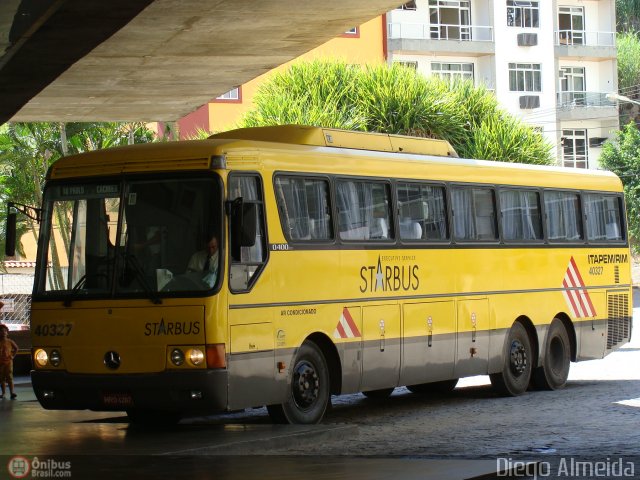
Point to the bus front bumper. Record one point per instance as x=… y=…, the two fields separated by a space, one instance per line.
x=174 y=391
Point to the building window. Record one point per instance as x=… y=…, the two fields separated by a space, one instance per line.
x=525 y=77
x=450 y=19
x=352 y=33
x=523 y=14
x=575 y=152
x=233 y=95
x=408 y=6
x=572 y=86
x=571 y=25
x=411 y=65
x=452 y=71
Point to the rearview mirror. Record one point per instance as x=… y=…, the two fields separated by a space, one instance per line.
x=243 y=221
x=10 y=237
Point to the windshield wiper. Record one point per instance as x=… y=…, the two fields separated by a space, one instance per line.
x=82 y=281
x=132 y=261
x=76 y=288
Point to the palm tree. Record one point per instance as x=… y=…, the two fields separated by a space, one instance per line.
x=28 y=149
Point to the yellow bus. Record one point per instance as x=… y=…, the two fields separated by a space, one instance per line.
x=279 y=266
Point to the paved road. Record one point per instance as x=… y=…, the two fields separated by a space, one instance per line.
x=597 y=416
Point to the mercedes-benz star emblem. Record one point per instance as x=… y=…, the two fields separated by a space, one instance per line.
x=112 y=360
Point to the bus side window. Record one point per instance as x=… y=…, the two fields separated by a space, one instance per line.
x=304 y=208
x=243 y=271
x=474 y=214
x=563 y=216
x=521 y=216
x=603 y=217
x=364 y=211
x=422 y=212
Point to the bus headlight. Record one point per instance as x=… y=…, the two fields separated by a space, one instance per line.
x=177 y=357
x=196 y=356
x=55 y=358
x=41 y=358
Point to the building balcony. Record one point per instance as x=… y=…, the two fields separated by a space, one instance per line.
x=440 y=38
x=584 y=105
x=587 y=44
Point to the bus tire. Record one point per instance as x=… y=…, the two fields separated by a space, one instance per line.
x=309 y=389
x=445 y=386
x=553 y=373
x=516 y=372
x=378 y=394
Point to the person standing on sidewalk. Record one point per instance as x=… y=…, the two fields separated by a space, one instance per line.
x=8 y=350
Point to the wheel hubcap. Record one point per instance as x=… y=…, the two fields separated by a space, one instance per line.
x=518 y=358
x=306 y=384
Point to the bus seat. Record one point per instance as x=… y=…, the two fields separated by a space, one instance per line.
x=379 y=229
x=410 y=230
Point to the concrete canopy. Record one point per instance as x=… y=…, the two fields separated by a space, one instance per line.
x=146 y=60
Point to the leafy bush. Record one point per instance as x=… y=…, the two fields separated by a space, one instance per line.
x=397 y=100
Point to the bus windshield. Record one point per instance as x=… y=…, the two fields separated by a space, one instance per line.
x=133 y=238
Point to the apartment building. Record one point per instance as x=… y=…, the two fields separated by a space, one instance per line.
x=549 y=62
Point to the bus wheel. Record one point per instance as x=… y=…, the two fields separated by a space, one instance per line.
x=516 y=372
x=309 y=392
x=554 y=371
x=152 y=417
x=444 y=386
x=378 y=394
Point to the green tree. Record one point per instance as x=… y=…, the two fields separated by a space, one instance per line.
x=395 y=99
x=628 y=15
x=621 y=155
x=629 y=74
x=28 y=149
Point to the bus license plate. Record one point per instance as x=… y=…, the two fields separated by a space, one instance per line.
x=117 y=399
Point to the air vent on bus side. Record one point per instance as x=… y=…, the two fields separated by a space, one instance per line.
x=619 y=322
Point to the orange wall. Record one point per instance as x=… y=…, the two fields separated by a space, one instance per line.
x=365 y=48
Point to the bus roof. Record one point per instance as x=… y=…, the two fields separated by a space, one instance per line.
x=329 y=137
x=313 y=149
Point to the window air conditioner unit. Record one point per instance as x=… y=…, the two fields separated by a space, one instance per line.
x=597 y=141
x=527 y=39
x=529 y=101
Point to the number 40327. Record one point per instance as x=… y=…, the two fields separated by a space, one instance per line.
x=53 y=330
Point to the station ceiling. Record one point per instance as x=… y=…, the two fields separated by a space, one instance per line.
x=152 y=60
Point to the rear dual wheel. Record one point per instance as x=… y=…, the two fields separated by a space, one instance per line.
x=554 y=371
x=309 y=390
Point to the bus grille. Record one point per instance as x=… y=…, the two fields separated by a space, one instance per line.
x=616 y=274
x=619 y=322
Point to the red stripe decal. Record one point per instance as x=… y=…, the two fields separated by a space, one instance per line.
x=583 y=307
x=341 y=331
x=350 y=322
x=571 y=300
x=592 y=310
